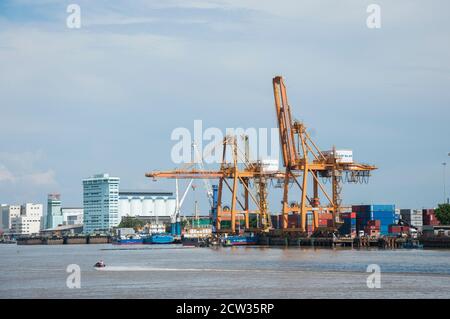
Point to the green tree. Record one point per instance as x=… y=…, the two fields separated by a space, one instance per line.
x=443 y=213
x=130 y=222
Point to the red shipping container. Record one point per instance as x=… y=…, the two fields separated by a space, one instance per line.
x=429 y=217
x=375 y=223
x=394 y=229
x=325 y=216
x=371 y=231
x=323 y=222
x=348 y=215
x=293 y=221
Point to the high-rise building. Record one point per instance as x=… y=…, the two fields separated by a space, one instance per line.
x=29 y=221
x=100 y=203
x=8 y=213
x=54 y=215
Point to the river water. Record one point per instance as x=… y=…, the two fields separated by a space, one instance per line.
x=172 y=271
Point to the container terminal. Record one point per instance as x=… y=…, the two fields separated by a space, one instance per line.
x=317 y=216
x=314 y=218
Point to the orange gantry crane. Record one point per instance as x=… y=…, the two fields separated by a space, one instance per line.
x=252 y=179
x=302 y=162
x=303 y=159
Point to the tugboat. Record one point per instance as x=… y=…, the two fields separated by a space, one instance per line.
x=194 y=241
x=240 y=240
x=159 y=239
x=128 y=240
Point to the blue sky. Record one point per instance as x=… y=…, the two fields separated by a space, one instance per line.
x=106 y=97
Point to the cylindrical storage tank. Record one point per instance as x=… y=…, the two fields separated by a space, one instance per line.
x=124 y=207
x=136 y=206
x=148 y=206
x=170 y=206
x=160 y=207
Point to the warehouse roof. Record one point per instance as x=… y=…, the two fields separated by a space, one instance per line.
x=154 y=192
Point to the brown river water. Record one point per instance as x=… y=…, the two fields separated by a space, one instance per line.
x=173 y=271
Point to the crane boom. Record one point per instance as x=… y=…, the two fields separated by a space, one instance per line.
x=285 y=124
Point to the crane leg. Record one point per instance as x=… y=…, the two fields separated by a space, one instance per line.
x=219 y=204
x=284 y=216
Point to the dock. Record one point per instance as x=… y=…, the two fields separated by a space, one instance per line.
x=383 y=242
x=66 y=240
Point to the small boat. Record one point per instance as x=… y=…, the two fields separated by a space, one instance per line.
x=239 y=240
x=8 y=242
x=99 y=264
x=128 y=240
x=159 y=239
x=412 y=245
x=194 y=242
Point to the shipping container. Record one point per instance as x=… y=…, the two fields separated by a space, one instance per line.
x=276 y=221
x=342 y=156
x=348 y=215
x=429 y=217
x=323 y=222
x=201 y=222
x=385 y=214
x=376 y=223
x=325 y=216
x=398 y=229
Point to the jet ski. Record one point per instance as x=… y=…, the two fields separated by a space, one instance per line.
x=99 y=264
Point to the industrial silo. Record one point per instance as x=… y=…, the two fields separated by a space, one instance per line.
x=136 y=206
x=124 y=207
x=148 y=206
x=160 y=207
x=170 y=206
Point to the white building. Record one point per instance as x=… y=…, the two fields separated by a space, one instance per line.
x=29 y=221
x=72 y=215
x=100 y=203
x=146 y=203
x=8 y=213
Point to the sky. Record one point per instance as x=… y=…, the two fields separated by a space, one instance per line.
x=107 y=96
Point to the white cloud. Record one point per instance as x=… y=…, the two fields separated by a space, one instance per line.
x=22 y=169
x=46 y=178
x=140 y=66
x=6 y=175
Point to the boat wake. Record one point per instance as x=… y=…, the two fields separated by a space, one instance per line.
x=137 y=268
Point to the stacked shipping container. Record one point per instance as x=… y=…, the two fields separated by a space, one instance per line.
x=373 y=228
x=349 y=226
x=429 y=217
x=397 y=216
x=309 y=223
x=397 y=229
x=325 y=220
x=365 y=213
x=276 y=221
x=294 y=221
x=412 y=216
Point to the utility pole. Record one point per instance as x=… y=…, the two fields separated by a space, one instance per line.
x=194 y=187
x=448 y=202
x=444 y=164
